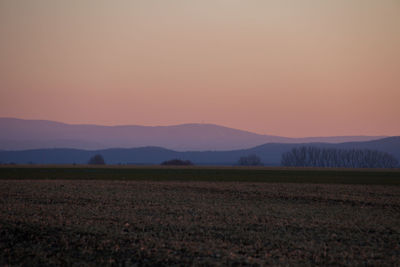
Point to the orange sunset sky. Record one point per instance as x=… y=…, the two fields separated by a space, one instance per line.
x=292 y=68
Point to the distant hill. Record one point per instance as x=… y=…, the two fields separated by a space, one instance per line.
x=18 y=134
x=270 y=154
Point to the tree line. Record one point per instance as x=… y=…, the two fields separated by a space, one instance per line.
x=308 y=156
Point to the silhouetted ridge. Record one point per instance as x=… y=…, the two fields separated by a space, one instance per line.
x=269 y=154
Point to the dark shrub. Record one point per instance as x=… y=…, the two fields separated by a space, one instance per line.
x=251 y=160
x=177 y=162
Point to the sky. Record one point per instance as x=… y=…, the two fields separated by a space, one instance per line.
x=291 y=68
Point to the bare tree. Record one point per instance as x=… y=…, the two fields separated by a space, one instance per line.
x=341 y=158
x=96 y=160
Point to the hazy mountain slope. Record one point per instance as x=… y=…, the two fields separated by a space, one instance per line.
x=270 y=154
x=17 y=134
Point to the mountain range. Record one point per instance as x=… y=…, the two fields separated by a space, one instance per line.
x=19 y=134
x=270 y=153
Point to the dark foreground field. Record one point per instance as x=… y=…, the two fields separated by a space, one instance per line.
x=204 y=174
x=80 y=222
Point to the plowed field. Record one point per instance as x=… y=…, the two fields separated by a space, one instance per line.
x=92 y=222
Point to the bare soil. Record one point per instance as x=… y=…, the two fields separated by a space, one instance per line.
x=100 y=222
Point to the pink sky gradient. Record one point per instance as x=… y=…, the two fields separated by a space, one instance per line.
x=291 y=68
